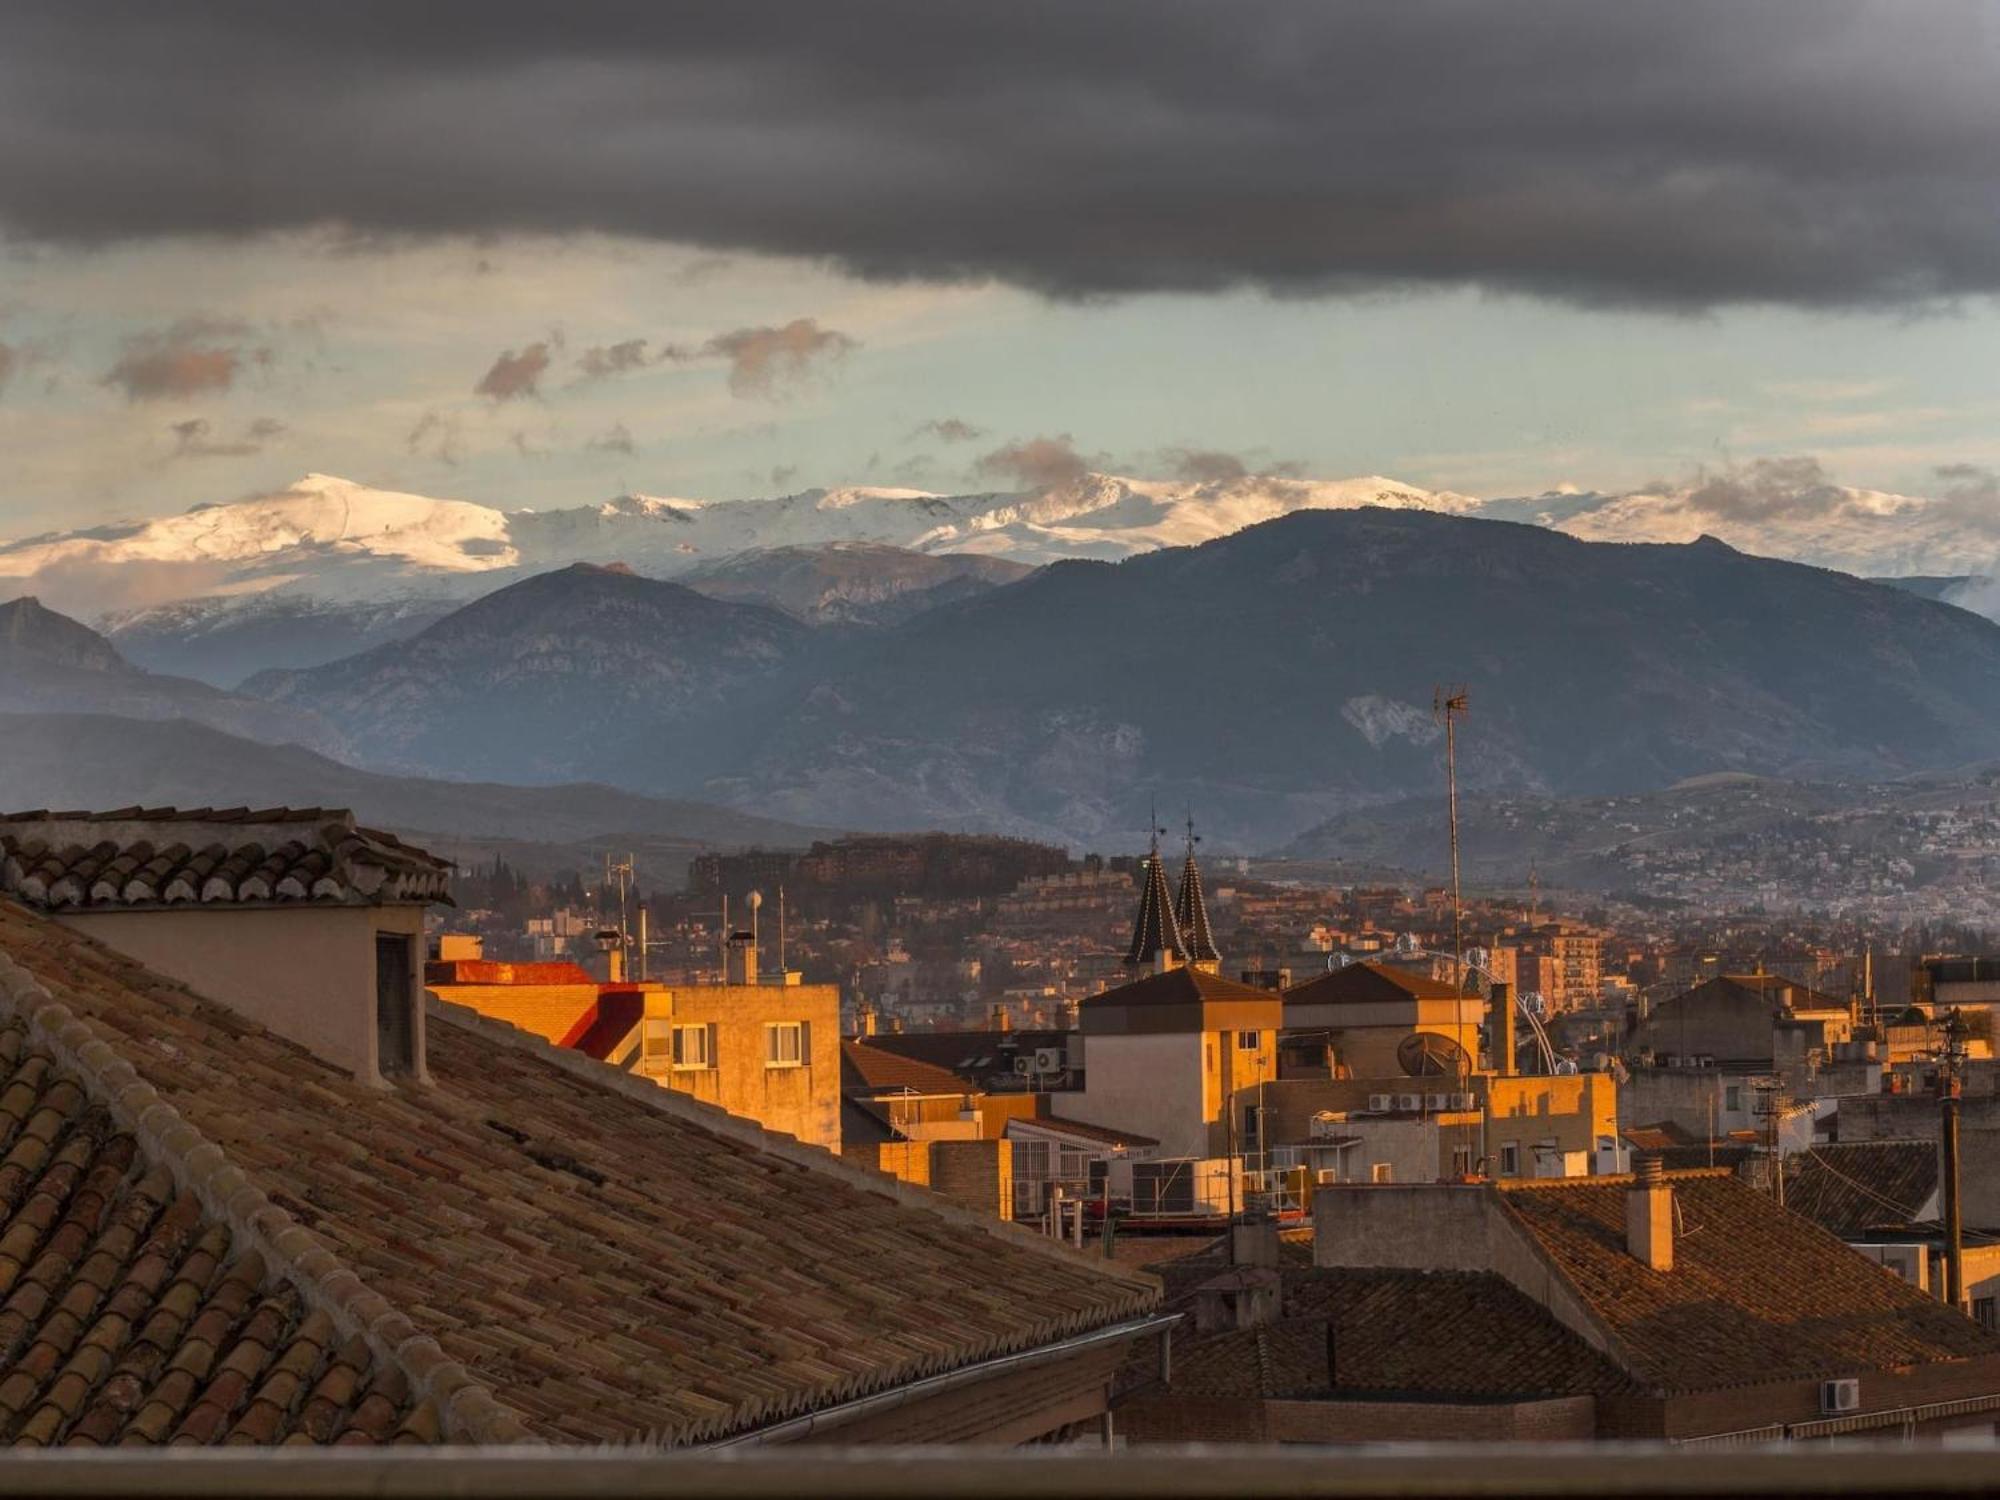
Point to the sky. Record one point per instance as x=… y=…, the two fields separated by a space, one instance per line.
x=542 y=256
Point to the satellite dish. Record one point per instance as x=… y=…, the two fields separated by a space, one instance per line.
x=1425 y=1054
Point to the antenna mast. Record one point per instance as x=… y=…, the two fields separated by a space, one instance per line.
x=1448 y=706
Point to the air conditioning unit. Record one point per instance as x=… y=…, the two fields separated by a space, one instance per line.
x=1410 y=1101
x=1838 y=1396
x=1048 y=1059
x=1440 y=1101
x=1465 y=1101
x=1024 y=1066
x=1381 y=1103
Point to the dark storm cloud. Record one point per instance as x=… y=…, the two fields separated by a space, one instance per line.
x=194 y=357
x=1672 y=153
x=513 y=376
x=617 y=438
x=1206 y=465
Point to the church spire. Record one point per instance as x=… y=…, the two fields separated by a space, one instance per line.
x=1156 y=934
x=1191 y=911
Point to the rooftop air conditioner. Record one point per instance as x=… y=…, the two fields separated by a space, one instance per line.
x=1837 y=1396
x=1410 y=1101
x=1024 y=1066
x=1440 y=1101
x=1465 y=1101
x=1048 y=1059
x=1381 y=1103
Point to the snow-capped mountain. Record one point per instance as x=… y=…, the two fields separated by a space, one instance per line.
x=327 y=566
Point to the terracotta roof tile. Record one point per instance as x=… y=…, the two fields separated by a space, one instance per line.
x=147 y=857
x=1755 y=1294
x=596 y=1259
x=1851 y=1188
x=120 y=1294
x=1368 y=982
x=867 y=1069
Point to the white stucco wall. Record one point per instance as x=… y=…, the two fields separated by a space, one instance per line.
x=1151 y=1084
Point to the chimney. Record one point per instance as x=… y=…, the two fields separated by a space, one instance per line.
x=742 y=967
x=1503 y=1002
x=1649 y=1216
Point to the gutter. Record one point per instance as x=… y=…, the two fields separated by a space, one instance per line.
x=793 y=1429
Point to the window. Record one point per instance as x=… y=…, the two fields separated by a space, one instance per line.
x=1732 y=1098
x=1510 y=1160
x=694 y=1047
x=656 y=1044
x=1461 y=1161
x=395 y=1016
x=1382 y=1171
x=1983 y=1313
x=1253 y=1127
x=1249 y=1041
x=786 y=1044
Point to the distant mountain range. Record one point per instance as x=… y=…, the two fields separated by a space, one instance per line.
x=852 y=583
x=1271 y=679
x=326 y=567
x=100 y=761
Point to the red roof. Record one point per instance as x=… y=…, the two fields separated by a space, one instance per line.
x=492 y=971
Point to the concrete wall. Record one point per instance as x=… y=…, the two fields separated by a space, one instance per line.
x=979 y=1174
x=1692 y=1098
x=550 y=1011
x=1149 y=1084
x=801 y=1101
x=306 y=972
x=1571 y=1110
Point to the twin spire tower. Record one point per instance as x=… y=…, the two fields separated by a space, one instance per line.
x=1171 y=934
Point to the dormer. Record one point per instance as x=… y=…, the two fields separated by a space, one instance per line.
x=297 y=918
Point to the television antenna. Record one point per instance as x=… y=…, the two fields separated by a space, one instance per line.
x=1448 y=706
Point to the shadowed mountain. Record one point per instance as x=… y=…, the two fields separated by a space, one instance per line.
x=50 y=663
x=1278 y=676
x=587 y=673
x=852 y=583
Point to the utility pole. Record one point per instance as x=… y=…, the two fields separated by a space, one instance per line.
x=1950 y=1061
x=1448 y=706
x=1770 y=1104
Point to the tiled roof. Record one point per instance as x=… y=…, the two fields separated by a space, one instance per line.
x=1438 y=1335
x=1848 y=1189
x=867 y=1069
x=1368 y=982
x=1755 y=1294
x=547 y=1248
x=129 y=1314
x=973 y=1055
x=165 y=857
x=497 y=971
x=1181 y=986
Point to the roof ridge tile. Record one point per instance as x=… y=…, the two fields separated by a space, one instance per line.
x=203 y=1169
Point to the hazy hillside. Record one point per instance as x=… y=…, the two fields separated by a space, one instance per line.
x=583 y=674
x=76 y=760
x=50 y=663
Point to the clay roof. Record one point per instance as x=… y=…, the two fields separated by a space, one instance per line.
x=1155 y=929
x=1755 y=1294
x=1181 y=986
x=134 y=1315
x=544 y=1247
x=972 y=1055
x=1849 y=1189
x=165 y=856
x=871 y=1070
x=500 y=971
x=1366 y=982
x=1433 y=1335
